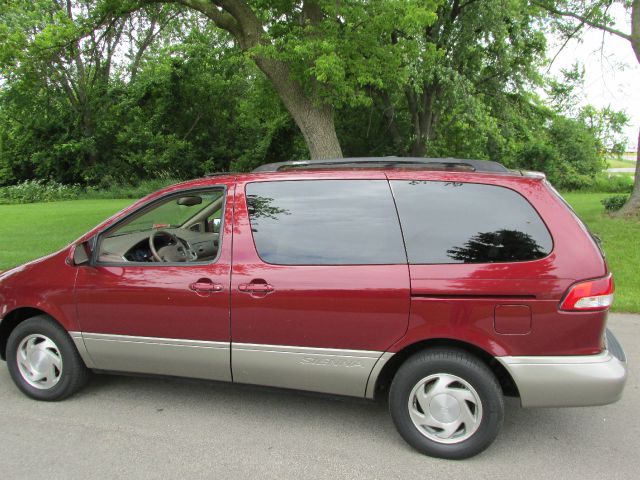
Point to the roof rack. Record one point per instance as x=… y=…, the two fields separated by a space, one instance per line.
x=387 y=162
x=218 y=174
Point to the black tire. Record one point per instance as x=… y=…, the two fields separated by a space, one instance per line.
x=73 y=374
x=468 y=368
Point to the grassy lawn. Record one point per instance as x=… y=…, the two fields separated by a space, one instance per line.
x=33 y=230
x=616 y=163
x=621 y=242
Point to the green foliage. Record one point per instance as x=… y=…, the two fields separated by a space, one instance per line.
x=192 y=107
x=605 y=124
x=614 y=203
x=571 y=18
x=340 y=51
x=610 y=183
x=118 y=190
x=33 y=191
x=37 y=191
x=566 y=151
x=161 y=93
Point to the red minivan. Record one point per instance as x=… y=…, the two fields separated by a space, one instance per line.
x=445 y=284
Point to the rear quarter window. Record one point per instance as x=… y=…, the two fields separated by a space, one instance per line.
x=325 y=222
x=454 y=222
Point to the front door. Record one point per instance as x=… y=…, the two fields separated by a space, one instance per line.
x=320 y=283
x=156 y=297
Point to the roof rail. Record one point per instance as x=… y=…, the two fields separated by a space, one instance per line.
x=387 y=162
x=218 y=174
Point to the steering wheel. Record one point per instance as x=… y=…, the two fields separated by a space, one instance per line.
x=176 y=249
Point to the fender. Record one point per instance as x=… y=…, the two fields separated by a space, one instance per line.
x=43 y=285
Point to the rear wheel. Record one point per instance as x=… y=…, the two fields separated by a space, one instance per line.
x=43 y=361
x=446 y=403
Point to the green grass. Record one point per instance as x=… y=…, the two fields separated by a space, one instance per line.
x=616 y=163
x=32 y=230
x=621 y=242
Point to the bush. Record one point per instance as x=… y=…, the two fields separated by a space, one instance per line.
x=139 y=190
x=614 y=203
x=33 y=191
x=608 y=184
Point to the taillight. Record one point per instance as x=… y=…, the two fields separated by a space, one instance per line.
x=590 y=295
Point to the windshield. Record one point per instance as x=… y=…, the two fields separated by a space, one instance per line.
x=172 y=213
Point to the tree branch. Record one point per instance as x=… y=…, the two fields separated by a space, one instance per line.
x=213 y=10
x=220 y=18
x=584 y=19
x=566 y=42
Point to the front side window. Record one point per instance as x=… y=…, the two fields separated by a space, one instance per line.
x=181 y=228
x=325 y=222
x=453 y=222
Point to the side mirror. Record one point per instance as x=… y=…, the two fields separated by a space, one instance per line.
x=81 y=254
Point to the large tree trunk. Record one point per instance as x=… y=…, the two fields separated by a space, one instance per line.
x=423 y=118
x=314 y=118
x=632 y=207
x=389 y=113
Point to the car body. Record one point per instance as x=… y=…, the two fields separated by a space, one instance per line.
x=337 y=278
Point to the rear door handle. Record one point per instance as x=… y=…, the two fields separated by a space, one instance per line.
x=256 y=287
x=206 y=286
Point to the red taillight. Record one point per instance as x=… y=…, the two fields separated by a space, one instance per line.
x=591 y=295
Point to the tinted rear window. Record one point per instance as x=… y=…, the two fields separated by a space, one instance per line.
x=452 y=222
x=325 y=222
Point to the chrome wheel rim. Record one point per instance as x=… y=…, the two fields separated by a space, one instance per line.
x=445 y=408
x=39 y=361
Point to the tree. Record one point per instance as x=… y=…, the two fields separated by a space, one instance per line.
x=64 y=70
x=163 y=92
x=605 y=124
x=574 y=15
x=195 y=105
x=484 y=50
x=317 y=54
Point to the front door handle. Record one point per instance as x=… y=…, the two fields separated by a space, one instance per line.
x=206 y=286
x=256 y=286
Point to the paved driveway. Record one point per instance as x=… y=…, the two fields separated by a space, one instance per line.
x=126 y=427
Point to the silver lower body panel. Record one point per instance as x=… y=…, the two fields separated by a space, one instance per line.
x=335 y=371
x=559 y=381
x=160 y=356
x=326 y=370
x=571 y=381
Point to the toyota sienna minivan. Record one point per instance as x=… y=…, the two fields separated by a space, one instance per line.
x=441 y=284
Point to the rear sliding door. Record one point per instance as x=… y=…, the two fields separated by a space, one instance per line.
x=320 y=283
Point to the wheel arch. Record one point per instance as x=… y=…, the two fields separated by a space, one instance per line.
x=14 y=318
x=388 y=371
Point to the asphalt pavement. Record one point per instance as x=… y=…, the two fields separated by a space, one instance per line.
x=132 y=427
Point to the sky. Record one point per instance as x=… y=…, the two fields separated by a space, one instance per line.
x=612 y=76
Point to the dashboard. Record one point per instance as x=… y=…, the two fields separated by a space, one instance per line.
x=134 y=246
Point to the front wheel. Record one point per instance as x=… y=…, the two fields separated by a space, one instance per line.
x=43 y=361
x=446 y=403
